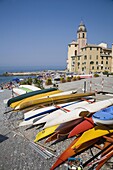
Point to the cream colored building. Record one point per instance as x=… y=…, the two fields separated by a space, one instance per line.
x=84 y=58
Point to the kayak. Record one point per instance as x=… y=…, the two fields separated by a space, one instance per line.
x=30 y=122
x=47 y=95
x=96 y=132
x=17 y=104
x=81 y=112
x=64 y=129
x=104 y=116
x=30 y=87
x=52 y=100
x=18 y=98
x=85 y=125
x=37 y=112
x=69 y=152
x=44 y=133
x=104 y=159
x=56 y=114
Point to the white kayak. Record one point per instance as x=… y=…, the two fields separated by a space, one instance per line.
x=22 y=89
x=31 y=87
x=37 y=112
x=56 y=114
x=30 y=122
x=82 y=111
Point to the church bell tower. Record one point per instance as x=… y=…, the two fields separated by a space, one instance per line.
x=81 y=36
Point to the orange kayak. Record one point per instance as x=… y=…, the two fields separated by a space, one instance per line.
x=71 y=152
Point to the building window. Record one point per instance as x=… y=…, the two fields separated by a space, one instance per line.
x=85 y=57
x=96 y=62
x=106 y=58
x=97 y=57
x=101 y=62
x=78 y=58
x=102 y=58
x=83 y=35
x=91 y=62
x=101 y=67
x=92 y=67
x=97 y=48
x=106 y=62
x=78 y=64
x=90 y=48
x=97 y=67
x=75 y=52
x=90 y=57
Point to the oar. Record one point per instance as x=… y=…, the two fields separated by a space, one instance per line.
x=54 y=150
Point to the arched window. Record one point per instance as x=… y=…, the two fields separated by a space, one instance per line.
x=83 y=35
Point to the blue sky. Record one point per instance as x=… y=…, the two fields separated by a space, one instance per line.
x=37 y=32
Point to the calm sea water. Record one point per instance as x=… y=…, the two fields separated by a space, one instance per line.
x=4 y=79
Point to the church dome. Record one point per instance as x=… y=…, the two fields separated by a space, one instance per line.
x=82 y=27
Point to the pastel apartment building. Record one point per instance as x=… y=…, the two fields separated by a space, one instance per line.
x=84 y=58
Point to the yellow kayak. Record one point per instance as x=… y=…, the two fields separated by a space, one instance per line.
x=52 y=100
x=96 y=132
x=46 y=132
x=15 y=104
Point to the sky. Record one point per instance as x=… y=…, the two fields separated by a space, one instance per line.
x=36 y=33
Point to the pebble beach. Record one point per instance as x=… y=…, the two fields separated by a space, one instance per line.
x=16 y=153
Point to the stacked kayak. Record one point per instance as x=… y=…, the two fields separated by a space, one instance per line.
x=50 y=100
x=104 y=116
x=22 y=89
x=24 y=96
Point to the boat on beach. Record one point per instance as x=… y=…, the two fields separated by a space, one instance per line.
x=104 y=116
x=23 y=96
x=80 y=112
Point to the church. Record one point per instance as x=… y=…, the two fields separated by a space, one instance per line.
x=84 y=58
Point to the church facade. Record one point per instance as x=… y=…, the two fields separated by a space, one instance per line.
x=84 y=58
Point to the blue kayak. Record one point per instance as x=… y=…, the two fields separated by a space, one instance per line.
x=104 y=116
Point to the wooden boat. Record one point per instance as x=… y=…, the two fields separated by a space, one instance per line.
x=81 y=112
x=18 y=98
x=96 y=132
x=44 y=133
x=64 y=129
x=52 y=100
x=70 y=152
x=85 y=125
x=54 y=115
x=104 y=116
x=30 y=99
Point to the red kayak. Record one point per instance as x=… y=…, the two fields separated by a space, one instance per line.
x=82 y=127
x=71 y=152
x=64 y=129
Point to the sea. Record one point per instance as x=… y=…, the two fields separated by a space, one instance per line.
x=4 y=69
